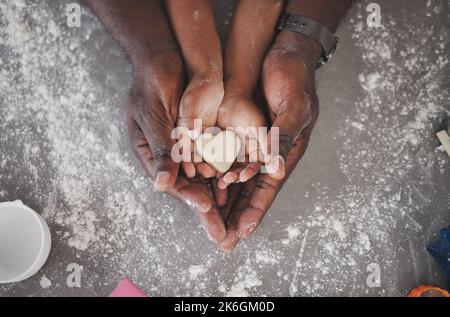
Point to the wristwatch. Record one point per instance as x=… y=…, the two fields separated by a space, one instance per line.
x=314 y=29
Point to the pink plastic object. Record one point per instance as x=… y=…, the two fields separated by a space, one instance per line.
x=126 y=288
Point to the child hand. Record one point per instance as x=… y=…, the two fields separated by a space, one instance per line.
x=241 y=114
x=201 y=100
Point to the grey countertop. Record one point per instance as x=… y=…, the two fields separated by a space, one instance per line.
x=371 y=191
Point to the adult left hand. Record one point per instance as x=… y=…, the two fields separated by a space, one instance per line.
x=289 y=88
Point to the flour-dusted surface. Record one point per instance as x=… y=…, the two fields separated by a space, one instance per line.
x=371 y=189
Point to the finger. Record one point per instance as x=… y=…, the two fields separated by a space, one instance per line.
x=220 y=196
x=276 y=167
x=233 y=194
x=188 y=168
x=293 y=117
x=242 y=198
x=213 y=224
x=231 y=239
x=249 y=171
x=257 y=206
x=205 y=170
x=140 y=147
x=187 y=155
x=201 y=202
x=229 y=178
x=245 y=196
x=232 y=176
x=157 y=128
x=192 y=194
x=243 y=171
x=267 y=188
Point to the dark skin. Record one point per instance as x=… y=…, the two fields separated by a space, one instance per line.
x=251 y=32
x=142 y=29
x=288 y=86
x=195 y=29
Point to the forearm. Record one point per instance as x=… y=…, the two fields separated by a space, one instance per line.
x=140 y=27
x=195 y=29
x=252 y=31
x=327 y=12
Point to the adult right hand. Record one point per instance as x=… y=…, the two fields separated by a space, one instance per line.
x=151 y=111
x=151 y=114
x=143 y=31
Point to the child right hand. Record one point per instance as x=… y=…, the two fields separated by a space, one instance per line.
x=201 y=100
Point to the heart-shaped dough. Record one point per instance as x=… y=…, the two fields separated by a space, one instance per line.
x=219 y=150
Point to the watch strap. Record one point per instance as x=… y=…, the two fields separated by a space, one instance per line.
x=314 y=29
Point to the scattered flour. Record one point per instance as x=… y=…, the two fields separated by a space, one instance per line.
x=63 y=102
x=266 y=257
x=69 y=156
x=196 y=270
x=45 y=282
x=339 y=228
x=293 y=232
x=243 y=283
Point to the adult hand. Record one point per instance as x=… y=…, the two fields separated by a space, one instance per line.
x=151 y=113
x=292 y=105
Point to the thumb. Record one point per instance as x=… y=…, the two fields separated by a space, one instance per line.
x=157 y=128
x=291 y=120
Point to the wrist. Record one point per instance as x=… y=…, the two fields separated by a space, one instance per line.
x=208 y=66
x=162 y=74
x=143 y=55
x=235 y=88
x=207 y=75
x=303 y=47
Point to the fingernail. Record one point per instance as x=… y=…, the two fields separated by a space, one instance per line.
x=204 y=208
x=246 y=231
x=222 y=185
x=228 y=178
x=277 y=165
x=227 y=249
x=198 y=207
x=230 y=243
x=162 y=181
x=243 y=179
